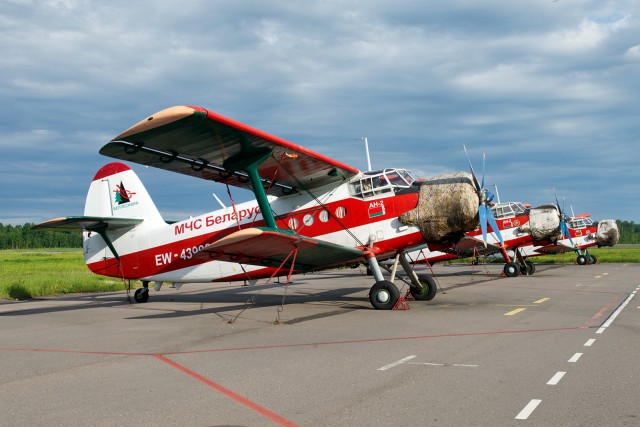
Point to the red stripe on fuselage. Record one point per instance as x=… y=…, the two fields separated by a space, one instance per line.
x=180 y=254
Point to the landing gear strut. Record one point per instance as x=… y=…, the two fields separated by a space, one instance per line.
x=142 y=294
x=513 y=268
x=384 y=294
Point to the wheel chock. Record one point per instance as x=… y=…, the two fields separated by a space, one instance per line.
x=402 y=303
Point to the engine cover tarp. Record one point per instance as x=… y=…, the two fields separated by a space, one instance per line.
x=544 y=223
x=607 y=234
x=447 y=208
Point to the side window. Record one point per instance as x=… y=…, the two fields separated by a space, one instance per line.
x=307 y=220
x=293 y=223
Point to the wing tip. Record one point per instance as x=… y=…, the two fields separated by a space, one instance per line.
x=163 y=117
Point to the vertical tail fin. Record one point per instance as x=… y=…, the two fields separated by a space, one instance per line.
x=116 y=191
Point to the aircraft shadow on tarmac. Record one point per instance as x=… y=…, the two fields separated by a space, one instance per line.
x=228 y=300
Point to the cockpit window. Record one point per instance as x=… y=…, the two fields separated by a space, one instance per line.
x=506 y=210
x=580 y=222
x=517 y=207
x=386 y=181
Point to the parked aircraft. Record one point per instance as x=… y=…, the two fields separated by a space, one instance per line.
x=310 y=212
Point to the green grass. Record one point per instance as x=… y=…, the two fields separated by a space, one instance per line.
x=617 y=254
x=34 y=273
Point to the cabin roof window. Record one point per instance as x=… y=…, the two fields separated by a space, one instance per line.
x=380 y=182
x=505 y=210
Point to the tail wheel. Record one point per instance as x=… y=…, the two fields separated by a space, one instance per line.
x=428 y=291
x=141 y=295
x=384 y=295
x=511 y=269
x=582 y=260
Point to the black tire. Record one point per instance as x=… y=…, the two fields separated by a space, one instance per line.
x=581 y=260
x=141 y=295
x=511 y=269
x=592 y=259
x=384 y=295
x=429 y=290
x=528 y=268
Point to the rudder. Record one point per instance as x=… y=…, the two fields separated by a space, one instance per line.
x=116 y=191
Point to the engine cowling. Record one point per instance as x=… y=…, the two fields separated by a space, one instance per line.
x=607 y=234
x=447 y=208
x=544 y=223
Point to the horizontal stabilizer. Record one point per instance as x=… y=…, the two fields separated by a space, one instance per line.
x=271 y=247
x=71 y=223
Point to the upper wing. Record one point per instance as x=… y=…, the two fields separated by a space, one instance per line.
x=87 y=223
x=198 y=142
x=270 y=248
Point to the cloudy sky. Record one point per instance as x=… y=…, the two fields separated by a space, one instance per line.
x=549 y=90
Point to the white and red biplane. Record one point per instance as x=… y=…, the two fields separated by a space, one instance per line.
x=581 y=233
x=528 y=232
x=310 y=212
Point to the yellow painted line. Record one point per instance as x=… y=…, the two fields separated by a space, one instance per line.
x=541 y=300
x=516 y=311
x=515 y=305
x=598 y=277
x=604 y=274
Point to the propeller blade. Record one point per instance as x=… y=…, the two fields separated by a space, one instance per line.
x=565 y=229
x=494 y=225
x=482 y=212
x=557 y=202
x=473 y=174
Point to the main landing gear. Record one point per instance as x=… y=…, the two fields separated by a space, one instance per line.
x=522 y=266
x=585 y=258
x=384 y=294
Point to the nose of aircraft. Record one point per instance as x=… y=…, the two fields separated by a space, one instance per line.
x=447 y=207
x=607 y=234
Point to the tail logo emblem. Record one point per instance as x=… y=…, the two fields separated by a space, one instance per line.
x=122 y=194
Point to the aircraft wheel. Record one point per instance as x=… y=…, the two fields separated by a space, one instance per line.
x=582 y=260
x=384 y=295
x=528 y=268
x=511 y=269
x=592 y=259
x=429 y=290
x=141 y=295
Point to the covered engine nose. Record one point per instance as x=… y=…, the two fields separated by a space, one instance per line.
x=447 y=208
x=607 y=234
x=544 y=223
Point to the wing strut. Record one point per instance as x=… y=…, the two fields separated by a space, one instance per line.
x=249 y=159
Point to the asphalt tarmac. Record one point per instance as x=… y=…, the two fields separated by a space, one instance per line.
x=557 y=348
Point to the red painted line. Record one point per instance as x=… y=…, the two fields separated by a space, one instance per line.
x=230 y=394
x=600 y=313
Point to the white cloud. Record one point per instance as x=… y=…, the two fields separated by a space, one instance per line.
x=423 y=78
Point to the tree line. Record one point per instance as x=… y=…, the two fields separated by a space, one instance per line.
x=629 y=232
x=23 y=237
